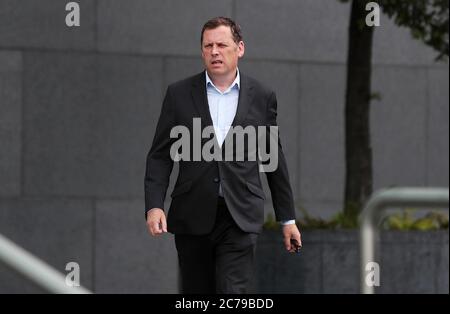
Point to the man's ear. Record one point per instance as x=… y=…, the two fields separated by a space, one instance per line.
x=241 y=48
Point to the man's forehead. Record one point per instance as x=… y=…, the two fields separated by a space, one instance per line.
x=218 y=34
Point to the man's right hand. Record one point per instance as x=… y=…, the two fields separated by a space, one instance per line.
x=156 y=221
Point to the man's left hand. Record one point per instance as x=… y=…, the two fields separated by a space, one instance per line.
x=291 y=232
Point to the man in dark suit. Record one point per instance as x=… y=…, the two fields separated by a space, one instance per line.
x=217 y=208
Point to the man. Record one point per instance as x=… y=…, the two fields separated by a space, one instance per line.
x=217 y=208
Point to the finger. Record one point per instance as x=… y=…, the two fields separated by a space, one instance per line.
x=287 y=243
x=149 y=228
x=156 y=229
x=164 y=223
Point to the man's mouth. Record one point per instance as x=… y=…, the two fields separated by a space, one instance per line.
x=216 y=62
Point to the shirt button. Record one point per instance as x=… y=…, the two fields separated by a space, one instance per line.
x=216 y=180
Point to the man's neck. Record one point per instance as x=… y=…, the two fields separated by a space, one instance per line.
x=223 y=82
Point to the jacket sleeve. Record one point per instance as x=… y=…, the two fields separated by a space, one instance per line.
x=159 y=163
x=278 y=180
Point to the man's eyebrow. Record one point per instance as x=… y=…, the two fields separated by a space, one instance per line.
x=218 y=43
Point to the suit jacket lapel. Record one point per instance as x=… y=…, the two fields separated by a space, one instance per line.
x=245 y=100
x=200 y=99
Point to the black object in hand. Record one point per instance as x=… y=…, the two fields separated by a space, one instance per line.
x=296 y=246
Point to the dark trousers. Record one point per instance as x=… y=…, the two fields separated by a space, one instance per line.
x=219 y=262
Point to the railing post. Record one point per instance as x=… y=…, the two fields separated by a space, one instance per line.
x=373 y=212
x=35 y=269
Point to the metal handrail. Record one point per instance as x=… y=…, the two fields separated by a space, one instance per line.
x=372 y=214
x=34 y=269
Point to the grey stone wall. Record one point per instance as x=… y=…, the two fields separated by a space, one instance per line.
x=409 y=262
x=79 y=106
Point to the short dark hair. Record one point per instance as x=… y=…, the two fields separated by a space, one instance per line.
x=221 y=20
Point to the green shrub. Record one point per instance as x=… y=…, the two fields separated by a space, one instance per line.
x=403 y=220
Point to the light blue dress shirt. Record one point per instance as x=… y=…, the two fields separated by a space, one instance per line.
x=222 y=108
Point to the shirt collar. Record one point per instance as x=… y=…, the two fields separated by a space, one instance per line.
x=236 y=82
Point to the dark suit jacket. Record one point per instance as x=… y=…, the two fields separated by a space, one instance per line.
x=194 y=198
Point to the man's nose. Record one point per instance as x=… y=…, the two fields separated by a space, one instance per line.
x=215 y=51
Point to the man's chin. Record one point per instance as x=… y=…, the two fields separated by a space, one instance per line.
x=217 y=72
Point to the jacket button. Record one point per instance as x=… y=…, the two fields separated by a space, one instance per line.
x=216 y=180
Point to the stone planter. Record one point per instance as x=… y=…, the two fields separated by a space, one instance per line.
x=410 y=262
